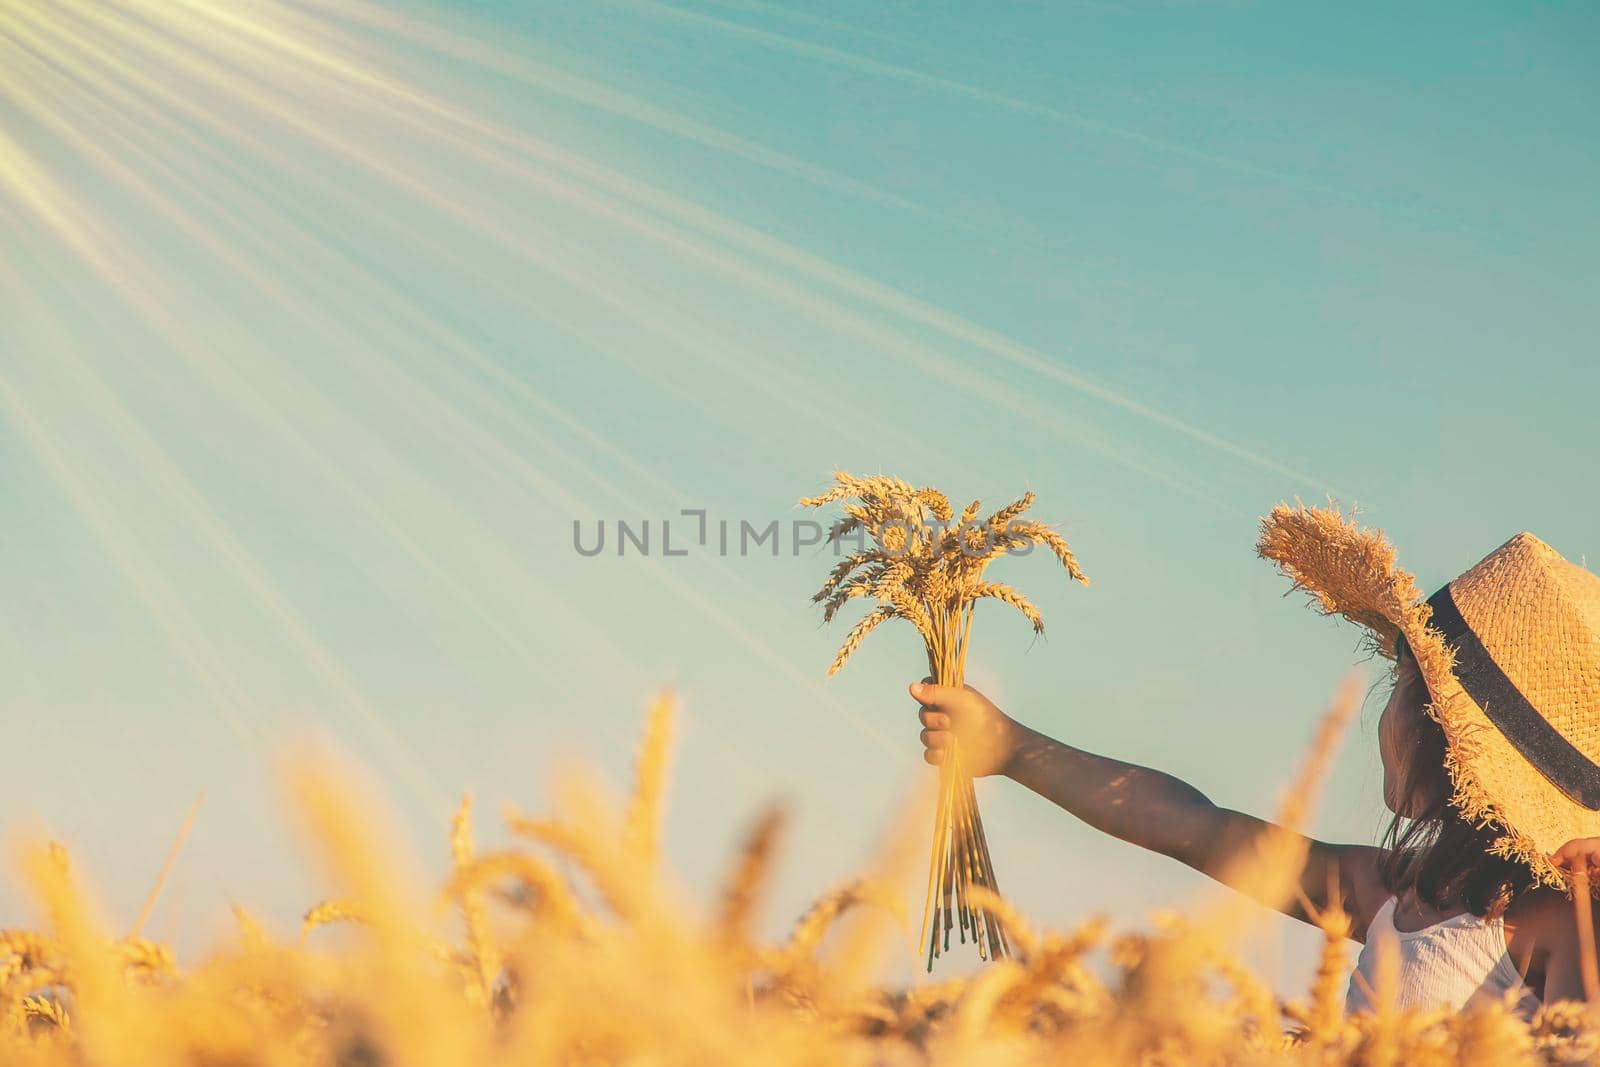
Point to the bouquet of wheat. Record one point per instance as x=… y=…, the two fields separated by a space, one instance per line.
x=921 y=564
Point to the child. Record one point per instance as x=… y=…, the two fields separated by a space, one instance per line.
x=1488 y=744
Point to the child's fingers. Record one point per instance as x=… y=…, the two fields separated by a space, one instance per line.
x=936 y=736
x=1582 y=854
x=933 y=696
x=1582 y=846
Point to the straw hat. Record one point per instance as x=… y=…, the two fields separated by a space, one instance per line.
x=1510 y=652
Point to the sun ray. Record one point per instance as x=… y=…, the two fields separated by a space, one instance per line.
x=546 y=77
x=60 y=211
x=166 y=607
x=922 y=79
x=264 y=59
x=403 y=102
x=266 y=279
x=681 y=589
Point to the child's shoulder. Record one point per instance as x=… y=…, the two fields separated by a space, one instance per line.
x=1539 y=904
x=1540 y=899
x=1537 y=916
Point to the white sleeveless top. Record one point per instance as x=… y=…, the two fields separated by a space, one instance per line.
x=1460 y=959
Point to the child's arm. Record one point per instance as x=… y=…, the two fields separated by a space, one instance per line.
x=1141 y=806
x=1554 y=927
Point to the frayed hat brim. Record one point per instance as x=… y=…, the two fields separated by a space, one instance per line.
x=1351 y=571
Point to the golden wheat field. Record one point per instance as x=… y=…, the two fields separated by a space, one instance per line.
x=516 y=960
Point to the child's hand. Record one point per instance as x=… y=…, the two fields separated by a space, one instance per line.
x=987 y=736
x=1580 y=854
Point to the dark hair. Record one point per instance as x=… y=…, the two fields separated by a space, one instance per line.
x=1432 y=850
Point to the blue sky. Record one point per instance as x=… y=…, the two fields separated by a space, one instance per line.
x=306 y=383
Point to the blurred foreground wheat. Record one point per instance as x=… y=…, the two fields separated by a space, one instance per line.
x=611 y=967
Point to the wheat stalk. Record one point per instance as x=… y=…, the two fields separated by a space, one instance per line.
x=929 y=571
x=331 y=911
x=470 y=901
x=650 y=780
x=749 y=876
